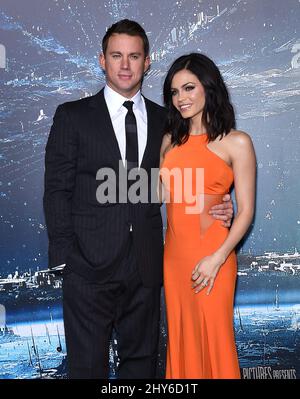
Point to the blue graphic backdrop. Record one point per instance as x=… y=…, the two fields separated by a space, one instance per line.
x=49 y=55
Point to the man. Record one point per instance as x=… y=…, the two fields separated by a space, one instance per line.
x=113 y=251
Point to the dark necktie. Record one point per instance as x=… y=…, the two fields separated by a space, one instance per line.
x=132 y=154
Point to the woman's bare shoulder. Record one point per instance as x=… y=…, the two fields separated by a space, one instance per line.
x=238 y=138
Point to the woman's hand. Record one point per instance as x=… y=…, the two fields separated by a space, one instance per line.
x=205 y=272
x=223 y=211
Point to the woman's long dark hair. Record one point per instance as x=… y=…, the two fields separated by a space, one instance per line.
x=218 y=113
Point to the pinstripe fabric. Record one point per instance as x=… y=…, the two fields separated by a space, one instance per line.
x=112 y=277
x=90 y=237
x=92 y=309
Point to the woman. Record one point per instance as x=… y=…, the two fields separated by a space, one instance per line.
x=199 y=263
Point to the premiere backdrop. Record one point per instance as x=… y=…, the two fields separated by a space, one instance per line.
x=49 y=55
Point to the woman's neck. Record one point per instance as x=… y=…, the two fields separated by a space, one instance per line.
x=197 y=127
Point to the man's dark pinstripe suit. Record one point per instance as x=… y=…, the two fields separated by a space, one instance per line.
x=112 y=277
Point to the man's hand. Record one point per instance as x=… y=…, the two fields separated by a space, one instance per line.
x=223 y=211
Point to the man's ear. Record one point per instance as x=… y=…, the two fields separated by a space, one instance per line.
x=102 y=61
x=147 y=64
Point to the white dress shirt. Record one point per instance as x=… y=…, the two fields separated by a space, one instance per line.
x=117 y=114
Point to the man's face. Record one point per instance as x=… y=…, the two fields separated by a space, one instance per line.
x=124 y=63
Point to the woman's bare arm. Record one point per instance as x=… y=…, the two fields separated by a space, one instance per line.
x=243 y=161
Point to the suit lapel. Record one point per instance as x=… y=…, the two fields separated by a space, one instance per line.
x=107 y=134
x=104 y=125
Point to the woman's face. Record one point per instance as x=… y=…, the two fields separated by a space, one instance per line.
x=188 y=95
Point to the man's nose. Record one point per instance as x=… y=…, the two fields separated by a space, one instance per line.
x=125 y=63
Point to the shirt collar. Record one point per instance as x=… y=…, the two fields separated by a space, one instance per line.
x=115 y=100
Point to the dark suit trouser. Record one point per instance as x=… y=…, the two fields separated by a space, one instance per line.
x=91 y=309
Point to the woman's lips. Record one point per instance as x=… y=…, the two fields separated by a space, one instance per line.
x=185 y=107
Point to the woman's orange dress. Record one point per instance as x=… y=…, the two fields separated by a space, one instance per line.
x=201 y=340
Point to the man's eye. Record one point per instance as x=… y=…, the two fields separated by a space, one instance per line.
x=116 y=55
x=135 y=57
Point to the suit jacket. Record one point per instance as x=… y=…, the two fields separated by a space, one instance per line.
x=88 y=236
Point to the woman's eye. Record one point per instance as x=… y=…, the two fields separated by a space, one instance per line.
x=189 y=88
x=173 y=92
